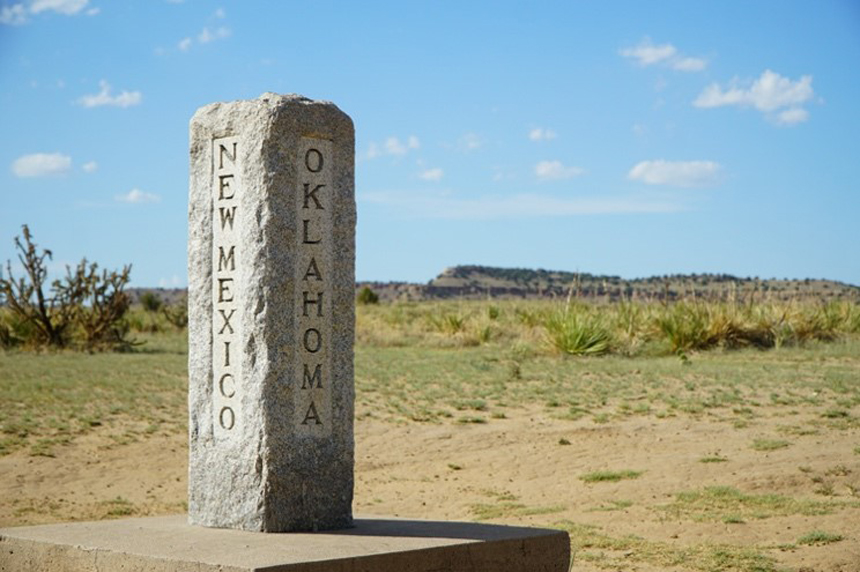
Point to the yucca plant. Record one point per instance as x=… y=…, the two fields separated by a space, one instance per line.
x=685 y=327
x=578 y=332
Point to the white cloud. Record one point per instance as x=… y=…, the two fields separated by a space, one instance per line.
x=676 y=173
x=540 y=134
x=67 y=7
x=689 y=64
x=426 y=205
x=792 y=116
x=207 y=36
x=104 y=97
x=16 y=14
x=90 y=167
x=220 y=13
x=647 y=54
x=469 y=142
x=174 y=282
x=393 y=146
x=373 y=151
x=136 y=196
x=555 y=170
x=42 y=165
x=184 y=44
x=13 y=15
x=768 y=93
x=432 y=174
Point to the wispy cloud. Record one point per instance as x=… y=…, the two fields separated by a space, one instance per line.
x=173 y=282
x=42 y=165
x=648 y=54
x=556 y=170
x=518 y=206
x=104 y=97
x=676 y=173
x=17 y=14
x=435 y=174
x=469 y=142
x=136 y=196
x=13 y=15
x=393 y=146
x=208 y=35
x=90 y=167
x=769 y=93
x=67 y=7
x=541 y=134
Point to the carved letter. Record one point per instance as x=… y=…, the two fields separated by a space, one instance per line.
x=312 y=195
x=223 y=151
x=227 y=421
x=227 y=216
x=316 y=333
x=226 y=354
x=224 y=185
x=221 y=385
x=313 y=270
x=317 y=158
x=224 y=288
x=227 y=261
x=312 y=414
x=227 y=321
x=305 y=235
x=317 y=376
x=308 y=301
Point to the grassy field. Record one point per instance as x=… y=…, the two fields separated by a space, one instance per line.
x=480 y=368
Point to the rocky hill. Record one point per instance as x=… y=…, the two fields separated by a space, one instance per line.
x=481 y=282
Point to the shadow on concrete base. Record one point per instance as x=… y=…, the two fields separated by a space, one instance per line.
x=170 y=544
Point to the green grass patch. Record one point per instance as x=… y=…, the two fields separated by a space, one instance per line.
x=609 y=476
x=510 y=510
x=769 y=444
x=715 y=504
x=590 y=544
x=50 y=398
x=819 y=537
x=713 y=459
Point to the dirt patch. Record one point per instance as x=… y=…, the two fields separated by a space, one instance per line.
x=745 y=504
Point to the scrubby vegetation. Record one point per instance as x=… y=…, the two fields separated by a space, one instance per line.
x=627 y=328
x=85 y=309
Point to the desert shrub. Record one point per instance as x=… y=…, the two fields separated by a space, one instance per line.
x=576 y=331
x=150 y=301
x=367 y=296
x=177 y=314
x=85 y=309
x=99 y=318
x=684 y=326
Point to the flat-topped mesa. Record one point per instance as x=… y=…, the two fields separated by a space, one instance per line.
x=271 y=274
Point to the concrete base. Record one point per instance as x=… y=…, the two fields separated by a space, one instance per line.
x=170 y=544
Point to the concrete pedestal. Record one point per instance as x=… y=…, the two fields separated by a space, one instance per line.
x=170 y=544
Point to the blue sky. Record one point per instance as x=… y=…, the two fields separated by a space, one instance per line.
x=624 y=138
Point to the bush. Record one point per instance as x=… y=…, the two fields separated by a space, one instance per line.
x=177 y=314
x=150 y=302
x=367 y=296
x=85 y=309
x=578 y=332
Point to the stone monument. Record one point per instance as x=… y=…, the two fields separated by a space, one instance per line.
x=271 y=275
x=271 y=329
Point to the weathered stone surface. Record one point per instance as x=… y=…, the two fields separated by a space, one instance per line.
x=169 y=544
x=271 y=271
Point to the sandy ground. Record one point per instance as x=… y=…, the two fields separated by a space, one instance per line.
x=444 y=471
